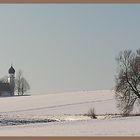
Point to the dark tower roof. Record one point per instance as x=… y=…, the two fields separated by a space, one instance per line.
x=11 y=70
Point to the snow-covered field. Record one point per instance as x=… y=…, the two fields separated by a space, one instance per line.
x=63 y=114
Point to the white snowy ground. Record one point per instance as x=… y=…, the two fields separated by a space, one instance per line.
x=29 y=115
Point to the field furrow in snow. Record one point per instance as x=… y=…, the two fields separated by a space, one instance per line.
x=63 y=103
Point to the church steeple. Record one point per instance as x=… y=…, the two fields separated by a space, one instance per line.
x=11 y=70
x=11 y=78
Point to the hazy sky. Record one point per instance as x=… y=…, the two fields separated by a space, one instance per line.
x=67 y=47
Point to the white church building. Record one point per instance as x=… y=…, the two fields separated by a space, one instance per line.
x=7 y=88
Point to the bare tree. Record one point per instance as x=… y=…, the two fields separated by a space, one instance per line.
x=18 y=82
x=21 y=84
x=127 y=89
x=24 y=85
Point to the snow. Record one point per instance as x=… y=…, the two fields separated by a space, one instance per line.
x=63 y=103
x=110 y=127
x=63 y=114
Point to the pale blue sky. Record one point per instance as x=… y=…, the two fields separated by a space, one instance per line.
x=67 y=47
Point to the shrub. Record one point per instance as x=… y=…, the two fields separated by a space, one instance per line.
x=91 y=113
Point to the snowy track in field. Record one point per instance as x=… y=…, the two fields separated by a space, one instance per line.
x=56 y=106
x=63 y=103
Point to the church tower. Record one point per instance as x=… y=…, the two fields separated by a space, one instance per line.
x=11 y=79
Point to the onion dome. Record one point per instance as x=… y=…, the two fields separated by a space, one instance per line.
x=11 y=70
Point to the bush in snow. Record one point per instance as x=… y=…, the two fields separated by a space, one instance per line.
x=91 y=113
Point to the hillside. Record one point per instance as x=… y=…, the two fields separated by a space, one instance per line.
x=63 y=114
